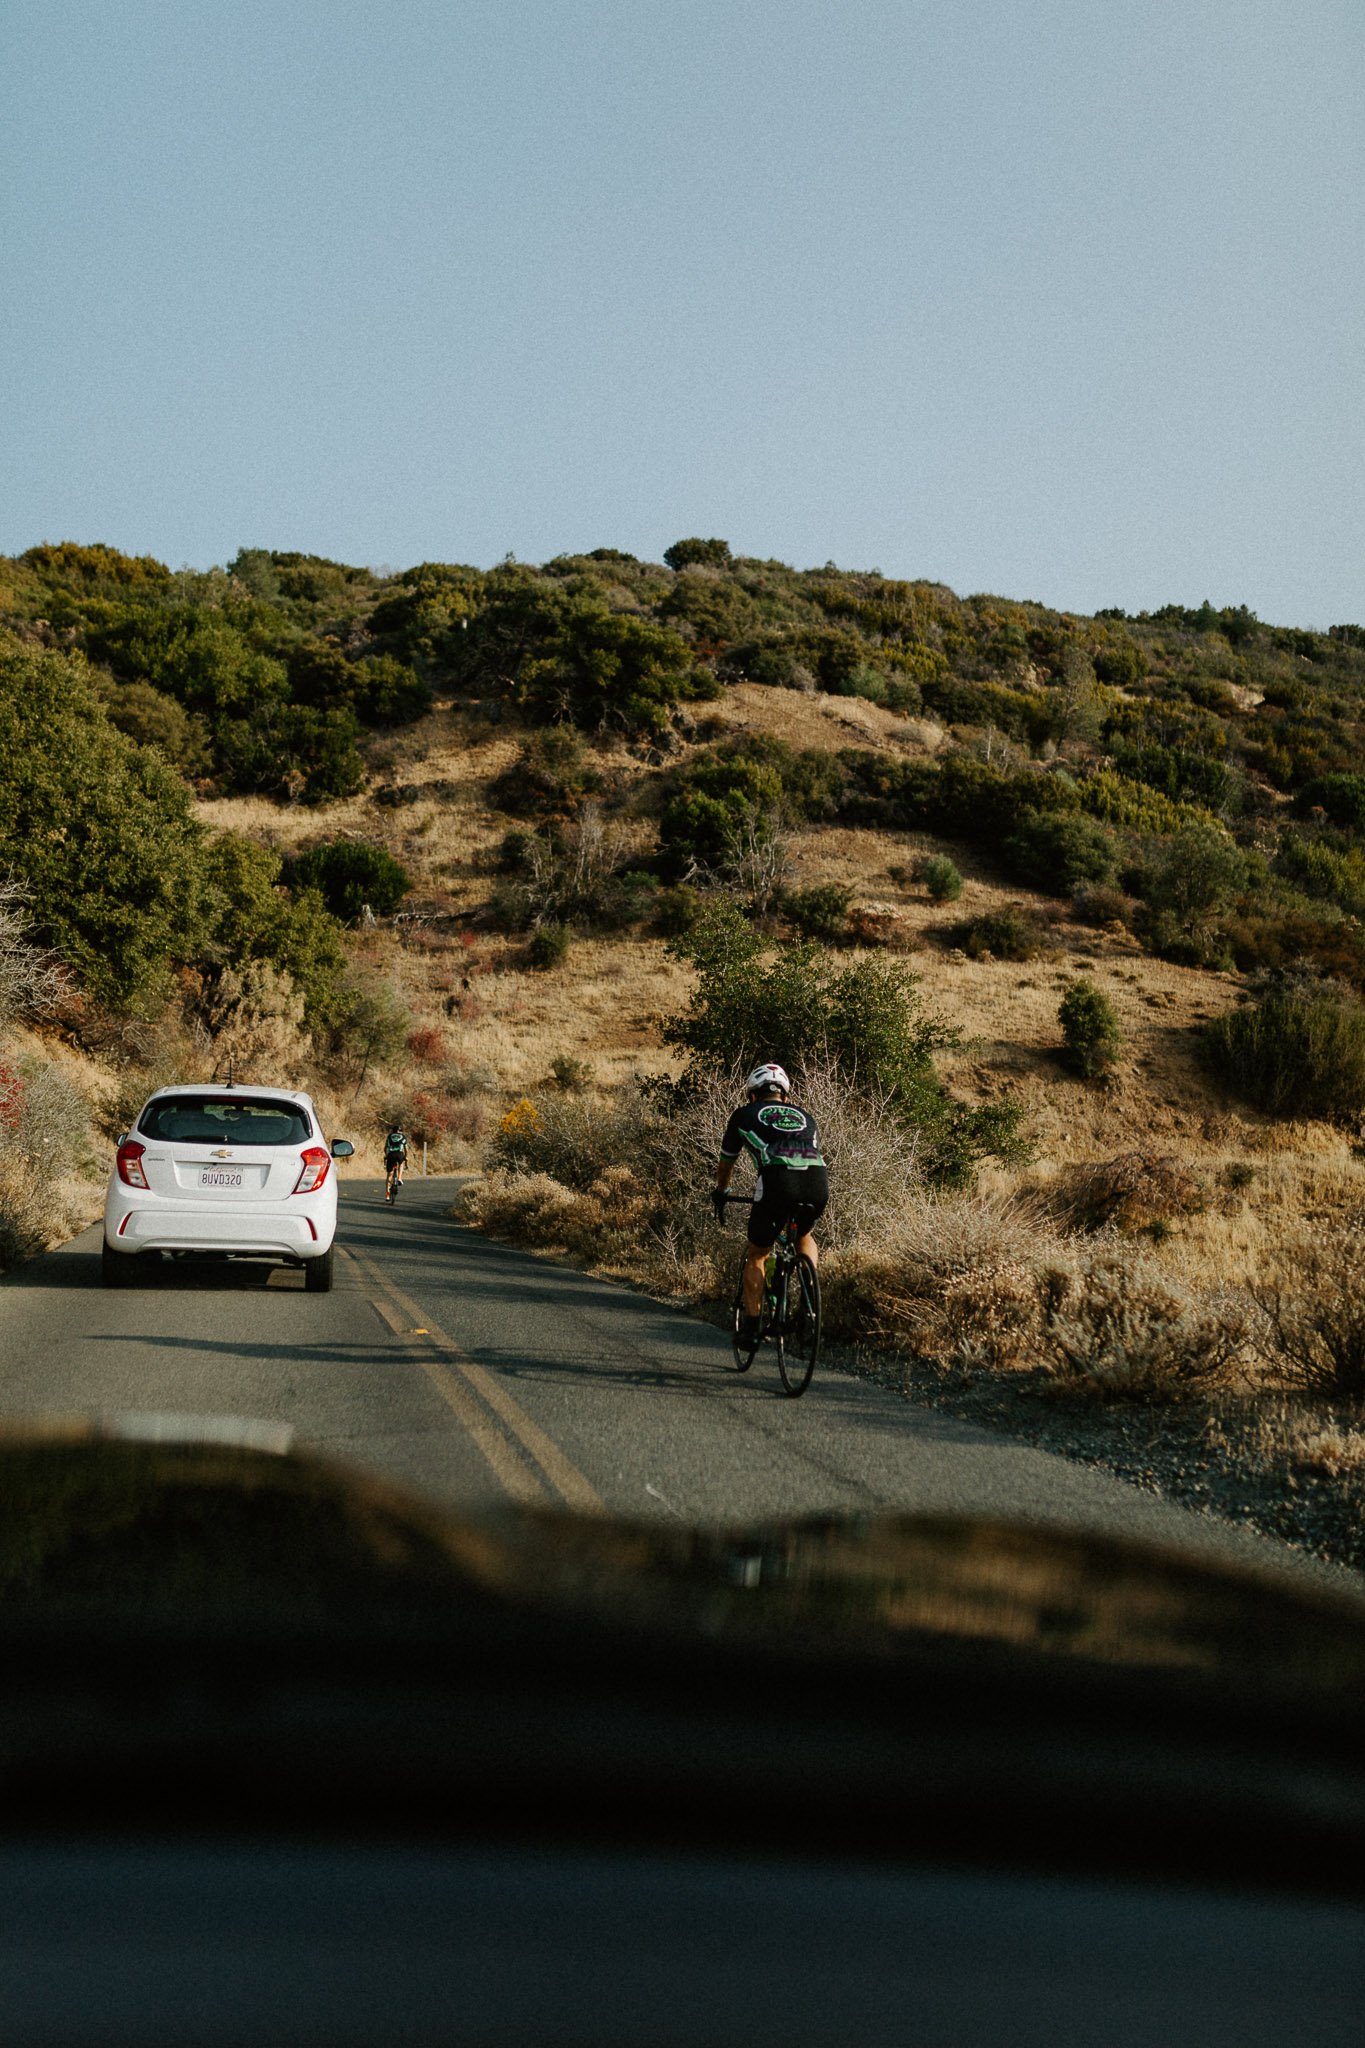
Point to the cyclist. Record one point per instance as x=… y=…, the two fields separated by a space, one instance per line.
x=792 y=1184
x=395 y=1159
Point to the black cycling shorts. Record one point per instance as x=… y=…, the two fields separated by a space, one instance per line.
x=800 y=1197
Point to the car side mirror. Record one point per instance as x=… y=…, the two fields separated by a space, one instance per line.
x=121 y=1137
x=342 y=1148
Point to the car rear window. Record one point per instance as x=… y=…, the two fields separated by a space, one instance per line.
x=224 y=1120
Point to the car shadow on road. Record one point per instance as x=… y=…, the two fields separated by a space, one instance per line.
x=372 y=1355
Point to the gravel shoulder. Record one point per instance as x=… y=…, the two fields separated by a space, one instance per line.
x=1233 y=1456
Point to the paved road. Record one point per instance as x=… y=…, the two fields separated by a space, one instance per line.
x=478 y=1373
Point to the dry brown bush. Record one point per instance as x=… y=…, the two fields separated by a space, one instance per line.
x=1310 y=1298
x=255 y=1017
x=623 y=1180
x=31 y=982
x=1135 y=1191
x=23 y=1224
x=603 y=1223
x=1320 y=1441
x=953 y=1277
x=50 y=1132
x=671 y=1144
x=1117 y=1326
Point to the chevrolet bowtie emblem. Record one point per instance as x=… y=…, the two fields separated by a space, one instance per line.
x=220 y=1155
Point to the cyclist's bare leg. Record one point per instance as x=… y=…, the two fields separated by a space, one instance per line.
x=755 y=1263
x=809 y=1249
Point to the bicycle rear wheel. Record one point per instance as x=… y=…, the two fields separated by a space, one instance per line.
x=798 y=1334
x=744 y=1351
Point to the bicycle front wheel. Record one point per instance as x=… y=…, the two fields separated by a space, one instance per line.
x=798 y=1341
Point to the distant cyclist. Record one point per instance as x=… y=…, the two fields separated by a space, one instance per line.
x=395 y=1159
x=792 y=1184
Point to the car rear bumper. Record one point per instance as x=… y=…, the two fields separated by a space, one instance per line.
x=189 y=1227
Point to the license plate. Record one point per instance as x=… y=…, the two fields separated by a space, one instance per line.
x=219 y=1177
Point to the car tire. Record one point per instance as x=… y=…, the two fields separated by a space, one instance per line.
x=116 y=1268
x=317 y=1273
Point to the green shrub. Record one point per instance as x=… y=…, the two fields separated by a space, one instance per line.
x=1297 y=1051
x=566 y=657
x=724 y=791
x=711 y=554
x=378 y=689
x=350 y=876
x=1097 y=904
x=941 y=878
x=152 y=719
x=1013 y=933
x=1341 y=797
x=1059 y=854
x=1118 y=801
x=549 y=946
x=549 y=776
x=818 y=913
x=250 y=916
x=779 y=664
x=796 y=1005
x=1319 y=868
x=676 y=910
x=1189 y=892
x=1090 y=1030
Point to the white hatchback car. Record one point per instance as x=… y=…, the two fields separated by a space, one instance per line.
x=231 y=1172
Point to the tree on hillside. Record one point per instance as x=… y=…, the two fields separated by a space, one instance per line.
x=799 y=1005
x=709 y=554
x=99 y=831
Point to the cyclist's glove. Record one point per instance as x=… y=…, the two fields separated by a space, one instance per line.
x=718 y=1204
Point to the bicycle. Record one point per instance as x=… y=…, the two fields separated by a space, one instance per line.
x=393 y=1182
x=790 y=1316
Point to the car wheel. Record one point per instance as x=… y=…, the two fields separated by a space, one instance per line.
x=116 y=1268
x=317 y=1273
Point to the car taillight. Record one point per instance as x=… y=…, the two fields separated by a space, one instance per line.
x=130 y=1163
x=316 y=1161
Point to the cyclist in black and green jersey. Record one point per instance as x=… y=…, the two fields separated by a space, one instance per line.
x=792 y=1183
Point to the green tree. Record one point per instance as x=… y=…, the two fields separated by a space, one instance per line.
x=1090 y=1030
x=98 y=828
x=156 y=720
x=378 y=689
x=252 y=916
x=1198 y=874
x=796 y=1004
x=941 y=878
x=710 y=554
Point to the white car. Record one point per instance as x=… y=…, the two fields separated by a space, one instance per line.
x=227 y=1171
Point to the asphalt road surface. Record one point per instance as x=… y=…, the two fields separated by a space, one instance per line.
x=479 y=1374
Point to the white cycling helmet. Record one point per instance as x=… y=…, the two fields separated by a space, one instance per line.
x=769 y=1075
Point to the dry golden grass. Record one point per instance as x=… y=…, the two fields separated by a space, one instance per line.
x=810 y=718
x=604 y=1005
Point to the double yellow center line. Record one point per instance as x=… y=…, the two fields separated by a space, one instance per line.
x=528 y=1465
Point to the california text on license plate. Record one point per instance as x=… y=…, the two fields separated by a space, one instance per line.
x=215 y=1177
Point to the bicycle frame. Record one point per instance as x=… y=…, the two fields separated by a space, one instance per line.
x=777 y=1322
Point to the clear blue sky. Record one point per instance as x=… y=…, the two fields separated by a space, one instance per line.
x=1061 y=299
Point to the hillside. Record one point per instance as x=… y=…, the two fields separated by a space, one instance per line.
x=441 y=844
